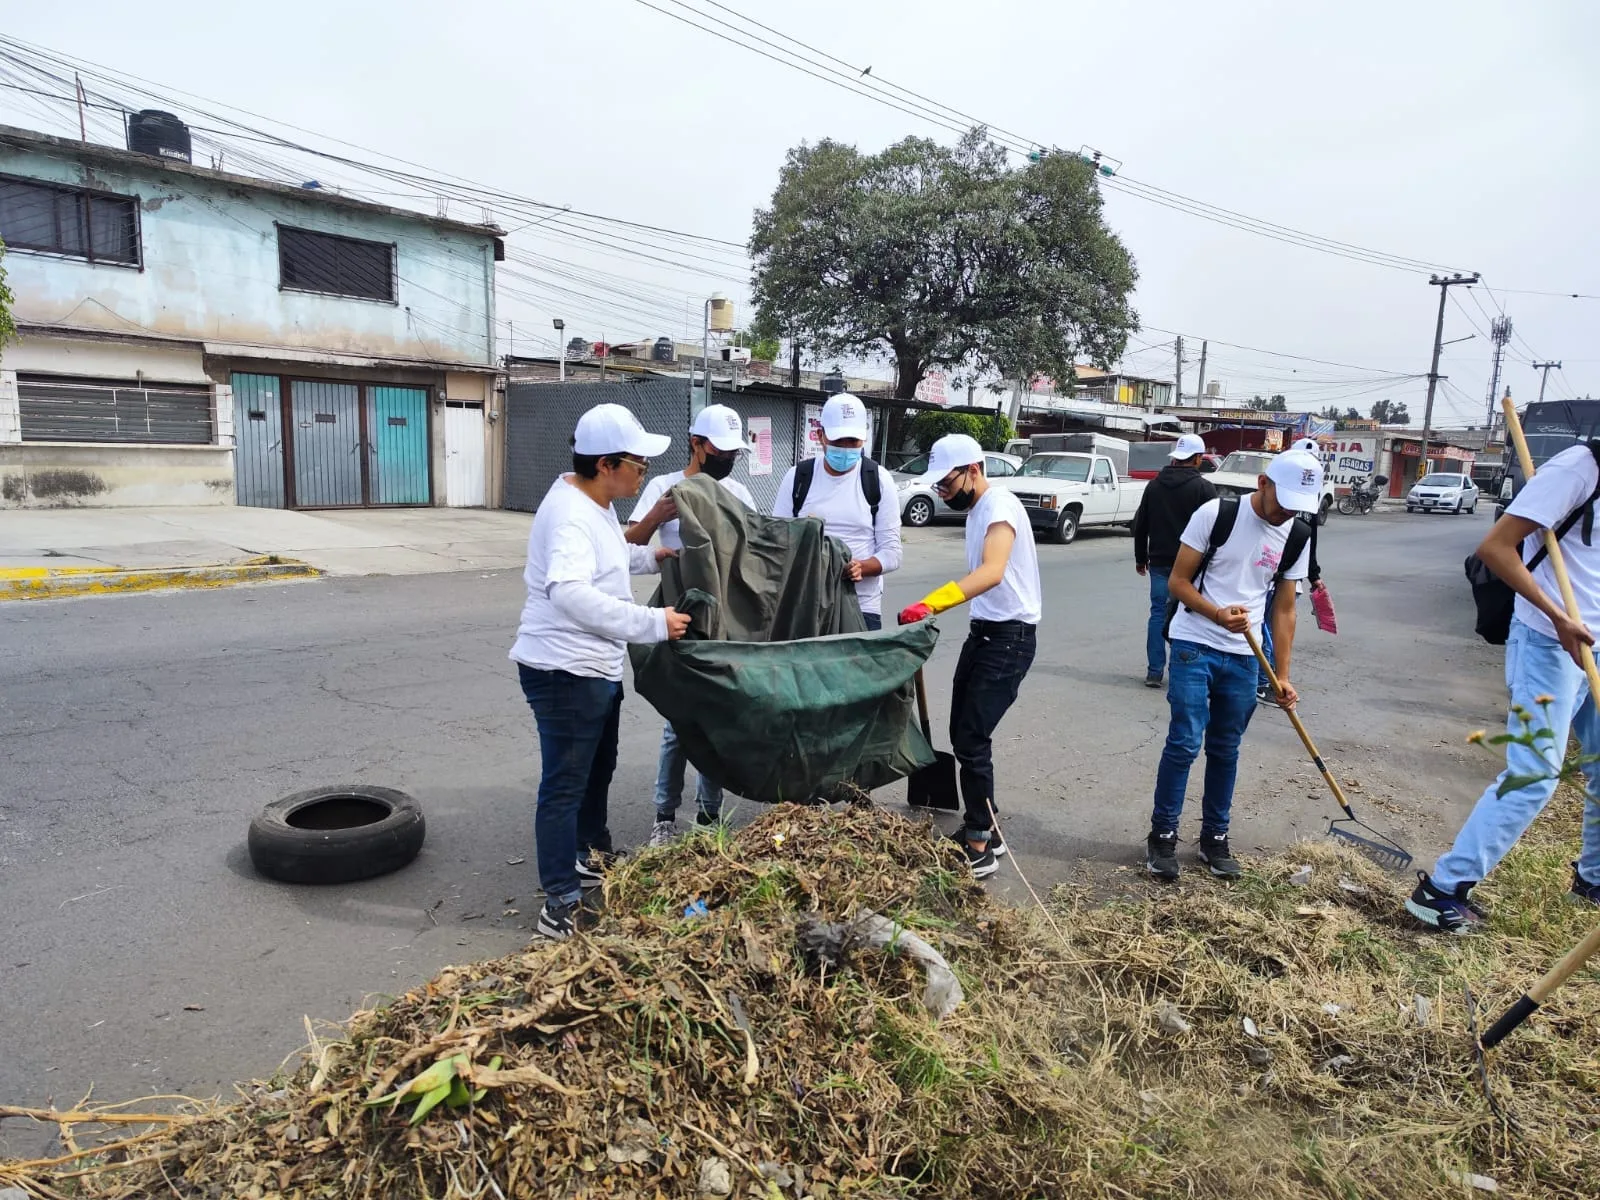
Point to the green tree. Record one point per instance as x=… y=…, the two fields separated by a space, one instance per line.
x=992 y=432
x=762 y=349
x=1387 y=412
x=8 y=324
x=1272 y=404
x=940 y=256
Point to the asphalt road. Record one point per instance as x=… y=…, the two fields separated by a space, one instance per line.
x=138 y=735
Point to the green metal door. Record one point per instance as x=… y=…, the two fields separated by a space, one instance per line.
x=397 y=426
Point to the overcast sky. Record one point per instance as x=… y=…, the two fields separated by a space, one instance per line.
x=1460 y=133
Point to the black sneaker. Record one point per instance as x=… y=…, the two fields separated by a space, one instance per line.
x=1264 y=696
x=982 y=862
x=996 y=844
x=1449 y=912
x=556 y=921
x=1152 y=679
x=1213 y=852
x=1161 y=855
x=592 y=867
x=1582 y=889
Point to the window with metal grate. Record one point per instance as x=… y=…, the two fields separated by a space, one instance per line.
x=56 y=410
x=76 y=222
x=335 y=266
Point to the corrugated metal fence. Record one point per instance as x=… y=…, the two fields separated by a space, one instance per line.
x=541 y=416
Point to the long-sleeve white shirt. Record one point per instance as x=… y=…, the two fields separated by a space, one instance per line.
x=838 y=501
x=580 y=613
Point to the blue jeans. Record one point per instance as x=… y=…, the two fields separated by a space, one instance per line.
x=1266 y=643
x=1155 y=642
x=994 y=658
x=1213 y=697
x=1536 y=665
x=577 y=717
x=874 y=621
x=669 y=782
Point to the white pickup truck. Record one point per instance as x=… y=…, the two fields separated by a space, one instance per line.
x=1241 y=471
x=1063 y=492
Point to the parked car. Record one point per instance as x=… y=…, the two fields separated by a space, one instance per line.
x=1438 y=492
x=919 y=504
x=1064 y=491
x=1240 y=472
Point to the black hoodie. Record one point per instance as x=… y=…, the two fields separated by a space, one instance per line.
x=1169 y=500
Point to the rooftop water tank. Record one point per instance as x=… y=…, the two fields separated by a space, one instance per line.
x=664 y=350
x=158 y=134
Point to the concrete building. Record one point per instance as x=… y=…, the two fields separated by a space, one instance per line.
x=189 y=336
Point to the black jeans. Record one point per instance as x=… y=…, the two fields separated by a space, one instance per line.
x=996 y=656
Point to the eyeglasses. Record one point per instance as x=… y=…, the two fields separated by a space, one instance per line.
x=948 y=483
x=642 y=463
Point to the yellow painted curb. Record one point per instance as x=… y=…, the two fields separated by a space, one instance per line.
x=49 y=583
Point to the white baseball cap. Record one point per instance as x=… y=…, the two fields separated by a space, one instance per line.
x=720 y=426
x=1187 y=446
x=843 y=416
x=612 y=429
x=1297 y=475
x=1309 y=445
x=949 y=452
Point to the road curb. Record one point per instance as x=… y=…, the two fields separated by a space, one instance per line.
x=52 y=583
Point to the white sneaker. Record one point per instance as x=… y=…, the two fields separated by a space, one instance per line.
x=663 y=833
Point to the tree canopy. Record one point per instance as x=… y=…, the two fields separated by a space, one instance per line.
x=1388 y=412
x=8 y=325
x=940 y=256
x=1271 y=404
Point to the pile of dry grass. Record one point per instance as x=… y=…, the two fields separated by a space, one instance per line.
x=1272 y=1039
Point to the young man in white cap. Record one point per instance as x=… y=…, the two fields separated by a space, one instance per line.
x=1164 y=511
x=1002 y=582
x=578 y=618
x=1313 y=578
x=855 y=499
x=1235 y=552
x=716 y=439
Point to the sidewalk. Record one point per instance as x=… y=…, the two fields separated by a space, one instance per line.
x=408 y=541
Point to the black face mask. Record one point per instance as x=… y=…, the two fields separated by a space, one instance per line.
x=962 y=500
x=719 y=466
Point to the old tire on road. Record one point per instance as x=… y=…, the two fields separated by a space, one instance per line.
x=336 y=834
x=919 y=511
x=1066 y=528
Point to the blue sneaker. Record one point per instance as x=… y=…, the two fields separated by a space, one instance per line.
x=1448 y=912
x=1582 y=889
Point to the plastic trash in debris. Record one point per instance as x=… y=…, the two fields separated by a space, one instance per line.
x=824 y=944
x=1301 y=876
x=1171 y=1020
x=696 y=908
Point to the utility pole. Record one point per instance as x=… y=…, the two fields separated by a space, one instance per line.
x=1545 y=378
x=1178 y=373
x=1200 y=389
x=1444 y=283
x=794 y=362
x=83 y=129
x=1499 y=334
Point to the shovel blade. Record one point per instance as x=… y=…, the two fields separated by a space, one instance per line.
x=935 y=785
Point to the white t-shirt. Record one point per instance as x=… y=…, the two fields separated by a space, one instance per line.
x=1240 y=573
x=654 y=489
x=1558 y=487
x=845 y=514
x=580 y=611
x=1017 y=597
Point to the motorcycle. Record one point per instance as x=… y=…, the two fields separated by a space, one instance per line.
x=1361 y=499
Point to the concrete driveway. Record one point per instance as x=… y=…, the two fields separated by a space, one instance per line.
x=142 y=733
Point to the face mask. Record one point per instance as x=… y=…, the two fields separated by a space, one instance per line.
x=841 y=459
x=718 y=466
x=961 y=501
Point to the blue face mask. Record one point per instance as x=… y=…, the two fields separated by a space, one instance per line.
x=841 y=459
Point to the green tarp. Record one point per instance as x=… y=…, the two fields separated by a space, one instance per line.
x=779 y=692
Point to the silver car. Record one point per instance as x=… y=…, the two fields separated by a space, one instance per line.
x=919 y=504
x=1439 y=492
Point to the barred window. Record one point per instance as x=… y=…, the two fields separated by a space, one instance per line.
x=56 y=410
x=76 y=222
x=336 y=266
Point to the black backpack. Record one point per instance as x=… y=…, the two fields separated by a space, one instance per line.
x=871 y=484
x=1493 y=597
x=1221 y=531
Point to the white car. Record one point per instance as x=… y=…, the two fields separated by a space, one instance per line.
x=1438 y=492
x=919 y=504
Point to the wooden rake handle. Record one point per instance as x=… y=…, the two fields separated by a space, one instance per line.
x=1299 y=727
x=922 y=708
x=1589 y=946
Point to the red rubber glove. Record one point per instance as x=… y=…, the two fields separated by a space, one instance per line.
x=912 y=613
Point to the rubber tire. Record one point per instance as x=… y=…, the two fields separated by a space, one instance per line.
x=1325 y=510
x=1409 y=509
x=1066 y=529
x=1347 y=505
x=290 y=854
x=916 y=505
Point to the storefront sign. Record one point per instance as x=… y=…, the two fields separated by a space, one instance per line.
x=1347 y=461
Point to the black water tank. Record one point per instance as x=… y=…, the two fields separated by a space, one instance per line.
x=159 y=134
x=664 y=351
